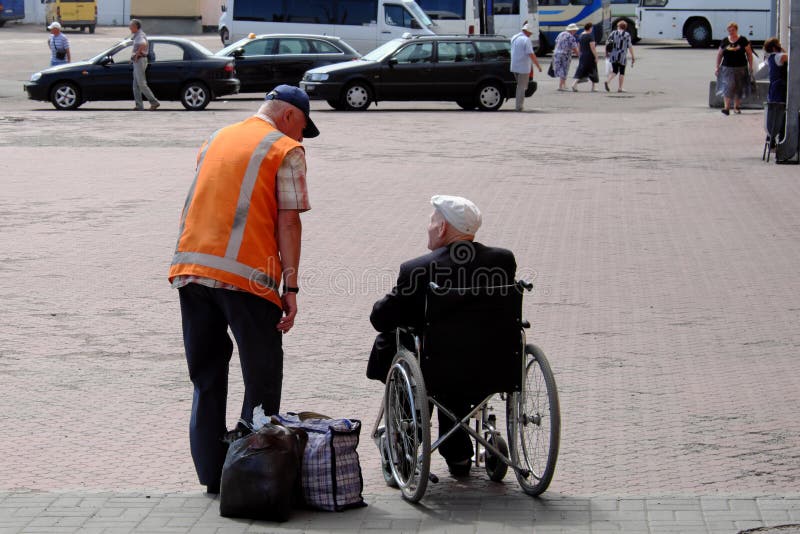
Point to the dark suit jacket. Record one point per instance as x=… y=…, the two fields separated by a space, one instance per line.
x=460 y=264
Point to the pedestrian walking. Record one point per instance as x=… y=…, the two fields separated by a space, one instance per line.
x=734 y=65
x=59 y=45
x=141 y=49
x=522 y=60
x=566 y=45
x=618 y=44
x=587 y=59
x=239 y=238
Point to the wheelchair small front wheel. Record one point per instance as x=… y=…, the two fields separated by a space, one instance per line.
x=495 y=468
x=407 y=421
x=386 y=466
x=534 y=423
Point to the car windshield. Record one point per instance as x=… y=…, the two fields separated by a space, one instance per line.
x=419 y=13
x=384 y=50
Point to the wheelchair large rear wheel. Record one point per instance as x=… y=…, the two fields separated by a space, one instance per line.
x=407 y=421
x=534 y=423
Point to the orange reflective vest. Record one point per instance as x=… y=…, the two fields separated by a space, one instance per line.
x=228 y=229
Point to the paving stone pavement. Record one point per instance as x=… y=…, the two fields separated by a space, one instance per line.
x=468 y=512
x=663 y=252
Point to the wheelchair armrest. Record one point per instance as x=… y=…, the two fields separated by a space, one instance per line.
x=411 y=331
x=525 y=324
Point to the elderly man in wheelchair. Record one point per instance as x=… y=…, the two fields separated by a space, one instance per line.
x=452 y=336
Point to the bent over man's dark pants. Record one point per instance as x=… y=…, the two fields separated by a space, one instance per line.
x=206 y=314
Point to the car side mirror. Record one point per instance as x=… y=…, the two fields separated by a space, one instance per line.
x=106 y=60
x=392 y=62
x=239 y=52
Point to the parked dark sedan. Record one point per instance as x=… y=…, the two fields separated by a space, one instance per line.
x=473 y=71
x=179 y=69
x=266 y=61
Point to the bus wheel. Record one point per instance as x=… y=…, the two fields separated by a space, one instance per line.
x=698 y=33
x=224 y=35
x=91 y=28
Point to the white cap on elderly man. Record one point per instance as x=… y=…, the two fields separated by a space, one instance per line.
x=527 y=28
x=459 y=212
x=54 y=24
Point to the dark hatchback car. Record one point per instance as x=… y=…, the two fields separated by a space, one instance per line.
x=265 y=61
x=179 y=69
x=473 y=71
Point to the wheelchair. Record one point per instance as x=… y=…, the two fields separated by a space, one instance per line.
x=491 y=357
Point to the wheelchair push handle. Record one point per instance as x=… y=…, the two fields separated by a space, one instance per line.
x=526 y=285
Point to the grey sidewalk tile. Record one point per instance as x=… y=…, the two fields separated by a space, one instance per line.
x=51 y=530
x=619 y=526
x=604 y=504
x=775 y=516
x=688 y=515
x=673 y=504
x=632 y=504
x=745 y=515
x=714 y=503
x=738 y=505
x=744 y=525
x=619 y=515
x=660 y=515
x=28 y=511
x=729 y=526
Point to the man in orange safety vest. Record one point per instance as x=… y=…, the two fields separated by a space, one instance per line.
x=239 y=241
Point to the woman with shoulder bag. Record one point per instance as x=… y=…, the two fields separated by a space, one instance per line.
x=734 y=65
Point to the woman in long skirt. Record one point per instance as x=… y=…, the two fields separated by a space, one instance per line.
x=587 y=59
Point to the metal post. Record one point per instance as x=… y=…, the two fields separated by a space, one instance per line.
x=787 y=148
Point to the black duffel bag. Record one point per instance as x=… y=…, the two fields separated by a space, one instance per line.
x=260 y=478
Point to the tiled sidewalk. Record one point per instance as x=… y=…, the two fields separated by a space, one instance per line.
x=95 y=513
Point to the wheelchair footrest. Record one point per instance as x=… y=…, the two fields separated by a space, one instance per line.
x=433 y=478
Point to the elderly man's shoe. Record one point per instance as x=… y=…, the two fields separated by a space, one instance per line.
x=461 y=468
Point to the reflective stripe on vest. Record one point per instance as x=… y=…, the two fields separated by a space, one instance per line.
x=228 y=265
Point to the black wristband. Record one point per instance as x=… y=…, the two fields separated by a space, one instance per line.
x=287 y=289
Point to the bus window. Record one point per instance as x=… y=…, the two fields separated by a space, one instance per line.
x=506 y=7
x=258 y=10
x=581 y=2
x=308 y=12
x=444 y=9
x=357 y=12
x=397 y=16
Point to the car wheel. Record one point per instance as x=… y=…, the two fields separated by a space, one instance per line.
x=91 y=28
x=335 y=104
x=195 y=96
x=469 y=105
x=65 y=95
x=224 y=34
x=699 y=34
x=490 y=97
x=356 y=97
x=2 y=23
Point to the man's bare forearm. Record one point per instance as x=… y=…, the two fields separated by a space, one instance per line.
x=290 y=230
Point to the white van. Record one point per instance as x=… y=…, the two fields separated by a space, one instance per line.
x=363 y=24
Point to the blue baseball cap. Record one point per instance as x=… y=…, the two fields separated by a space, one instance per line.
x=299 y=99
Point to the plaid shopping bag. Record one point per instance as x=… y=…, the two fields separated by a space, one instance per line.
x=331 y=472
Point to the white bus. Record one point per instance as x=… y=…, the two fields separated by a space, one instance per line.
x=471 y=16
x=625 y=10
x=702 y=22
x=363 y=24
